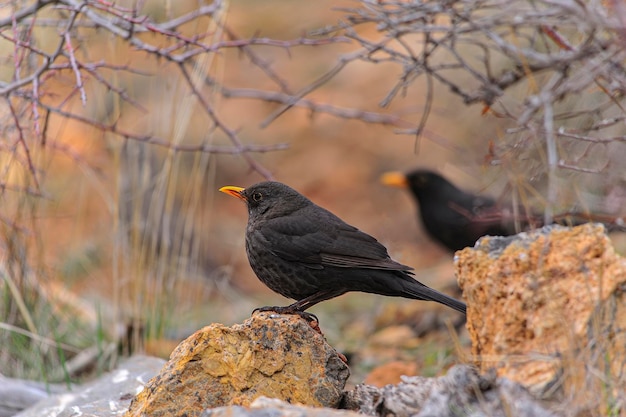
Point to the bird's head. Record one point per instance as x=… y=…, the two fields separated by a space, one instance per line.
x=421 y=182
x=270 y=198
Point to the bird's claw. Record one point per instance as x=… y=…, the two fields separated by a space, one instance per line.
x=309 y=317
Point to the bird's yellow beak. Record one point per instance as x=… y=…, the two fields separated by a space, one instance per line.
x=394 y=179
x=234 y=191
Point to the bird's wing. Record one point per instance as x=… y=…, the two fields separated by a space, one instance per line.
x=295 y=241
x=482 y=203
x=480 y=211
x=316 y=243
x=355 y=249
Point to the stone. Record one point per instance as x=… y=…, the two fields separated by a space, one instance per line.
x=272 y=407
x=17 y=394
x=106 y=396
x=461 y=392
x=422 y=318
x=546 y=308
x=391 y=373
x=393 y=336
x=272 y=355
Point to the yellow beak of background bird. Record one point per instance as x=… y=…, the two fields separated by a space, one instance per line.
x=394 y=179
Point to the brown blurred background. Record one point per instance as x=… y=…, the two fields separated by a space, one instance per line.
x=137 y=233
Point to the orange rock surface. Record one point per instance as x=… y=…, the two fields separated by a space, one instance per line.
x=547 y=306
x=277 y=356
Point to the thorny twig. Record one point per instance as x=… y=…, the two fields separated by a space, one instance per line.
x=479 y=50
x=35 y=67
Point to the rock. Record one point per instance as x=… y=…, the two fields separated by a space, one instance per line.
x=422 y=318
x=393 y=336
x=462 y=392
x=277 y=356
x=106 y=396
x=271 y=407
x=546 y=308
x=17 y=394
x=391 y=373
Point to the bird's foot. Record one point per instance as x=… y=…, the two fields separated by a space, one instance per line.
x=309 y=317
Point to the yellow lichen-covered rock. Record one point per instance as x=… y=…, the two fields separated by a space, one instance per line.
x=277 y=356
x=547 y=308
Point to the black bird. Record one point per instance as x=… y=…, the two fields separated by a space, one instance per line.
x=457 y=219
x=453 y=217
x=304 y=252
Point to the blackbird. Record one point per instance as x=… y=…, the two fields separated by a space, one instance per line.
x=457 y=219
x=453 y=217
x=304 y=252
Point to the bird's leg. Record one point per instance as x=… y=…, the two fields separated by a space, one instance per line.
x=315 y=298
x=299 y=306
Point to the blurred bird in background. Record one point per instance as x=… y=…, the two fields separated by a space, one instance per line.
x=457 y=219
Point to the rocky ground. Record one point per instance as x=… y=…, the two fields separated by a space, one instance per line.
x=544 y=314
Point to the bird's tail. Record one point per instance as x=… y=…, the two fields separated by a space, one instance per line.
x=419 y=291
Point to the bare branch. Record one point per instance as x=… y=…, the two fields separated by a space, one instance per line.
x=153 y=140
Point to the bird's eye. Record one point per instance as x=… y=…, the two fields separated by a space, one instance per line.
x=257 y=197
